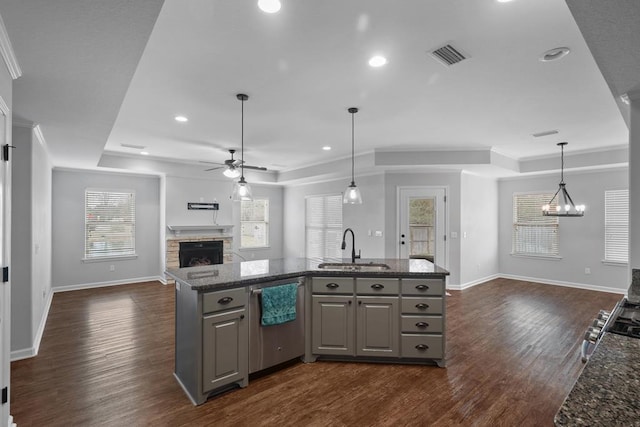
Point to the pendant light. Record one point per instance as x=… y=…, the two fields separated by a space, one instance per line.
x=241 y=190
x=352 y=193
x=568 y=208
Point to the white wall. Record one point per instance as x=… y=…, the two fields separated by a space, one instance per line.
x=370 y=215
x=31 y=240
x=181 y=190
x=478 y=229
x=581 y=240
x=69 y=271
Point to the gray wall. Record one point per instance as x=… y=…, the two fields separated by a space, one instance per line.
x=370 y=215
x=31 y=240
x=581 y=240
x=181 y=190
x=68 y=230
x=478 y=229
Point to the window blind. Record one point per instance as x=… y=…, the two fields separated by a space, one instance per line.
x=616 y=225
x=110 y=223
x=323 y=226
x=533 y=233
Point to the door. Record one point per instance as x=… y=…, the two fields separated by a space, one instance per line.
x=332 y=324
x=5 y=258
x=224 y=349
x=377 y=331
x=421 y=224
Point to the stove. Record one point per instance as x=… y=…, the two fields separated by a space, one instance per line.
x=626 y=320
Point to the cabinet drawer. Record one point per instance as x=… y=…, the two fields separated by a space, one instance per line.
x=377 y=286
x=224 y=300
x=332 y=285
x=422 y=324
x=422 y=286
x=422 y=346
x=424 y=305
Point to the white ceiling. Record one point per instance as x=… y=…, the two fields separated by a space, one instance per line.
x=302 y=68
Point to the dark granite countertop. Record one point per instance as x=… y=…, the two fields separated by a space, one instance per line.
x=224 y=276
x=607 y=393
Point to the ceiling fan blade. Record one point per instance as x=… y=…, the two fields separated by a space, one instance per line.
x=212 y=169
x=259 y=168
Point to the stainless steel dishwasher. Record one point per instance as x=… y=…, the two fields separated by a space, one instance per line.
x=275 y=344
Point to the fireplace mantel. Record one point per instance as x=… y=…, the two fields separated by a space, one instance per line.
x=220 y=229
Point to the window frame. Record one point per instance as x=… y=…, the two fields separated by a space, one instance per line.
x=616 y=246
x=266 y=222
x=91 y=256
x=535 y=223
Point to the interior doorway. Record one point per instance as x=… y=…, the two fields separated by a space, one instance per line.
x=422 y=224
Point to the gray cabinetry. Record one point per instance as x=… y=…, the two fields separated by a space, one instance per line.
x=224 y=348
x=225 y=339
x=377 y=326
x=332 y=324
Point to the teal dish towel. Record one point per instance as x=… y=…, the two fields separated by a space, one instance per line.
x=279 y=304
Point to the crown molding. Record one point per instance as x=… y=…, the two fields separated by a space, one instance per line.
x=22 y=123
x=6 y=49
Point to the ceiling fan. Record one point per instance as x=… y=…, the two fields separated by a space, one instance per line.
x=232 y=166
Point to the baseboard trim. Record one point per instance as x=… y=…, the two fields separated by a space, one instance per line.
x=104 y=284
x=562 y=283
x=473 y=283
x=32 y=351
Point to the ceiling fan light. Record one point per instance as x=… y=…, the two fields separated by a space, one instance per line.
x=269 y=6
x=231 y=172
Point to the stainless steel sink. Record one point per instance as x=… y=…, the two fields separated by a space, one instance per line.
x=347 y=266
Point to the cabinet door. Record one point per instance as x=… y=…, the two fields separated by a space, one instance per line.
x=378 y=332
x=332 y=325
x=224 y=349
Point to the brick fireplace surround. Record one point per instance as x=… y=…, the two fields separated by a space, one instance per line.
x=173 y=248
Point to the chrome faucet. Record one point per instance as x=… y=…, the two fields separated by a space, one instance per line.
x=353 y=245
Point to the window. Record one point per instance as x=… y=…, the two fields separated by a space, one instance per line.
x=110 y=223
x=323 y=226
x=616 y=226
x=533 y=233
x=254 y=223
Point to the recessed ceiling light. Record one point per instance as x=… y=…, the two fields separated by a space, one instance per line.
x=269 y=6
x=504 y=1
x=181 y=119
x=326 y=148
x=555 y=54
x=144 y=153
x=377 y=61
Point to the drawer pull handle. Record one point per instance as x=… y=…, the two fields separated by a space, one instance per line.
x=422 y=325
x=377 y=286
x=332 y=285
x=422 y=347
x=422 y=287
x=422 y=306
x=225 y=300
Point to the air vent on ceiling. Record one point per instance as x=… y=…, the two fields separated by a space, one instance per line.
x=545 y=133
x=137 y=147
x=448 y=55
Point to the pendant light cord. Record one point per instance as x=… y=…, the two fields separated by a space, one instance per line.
x=352 y=150
x=242 y=137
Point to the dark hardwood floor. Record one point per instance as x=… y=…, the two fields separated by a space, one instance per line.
x=106 y=358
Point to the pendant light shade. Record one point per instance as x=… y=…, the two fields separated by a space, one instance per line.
x=567 y=207
x=352 y=193
x=241 y=190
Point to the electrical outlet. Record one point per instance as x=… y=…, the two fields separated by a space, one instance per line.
x=587 y=270
x=112 y=267
x=378 y=233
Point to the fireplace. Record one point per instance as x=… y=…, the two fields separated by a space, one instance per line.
x=193 y=254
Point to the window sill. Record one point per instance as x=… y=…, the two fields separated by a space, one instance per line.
x=615 y=263
x=535 y=256
x=109 y=258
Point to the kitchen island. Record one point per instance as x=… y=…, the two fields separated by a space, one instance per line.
x=606 y=392
x=384 y=310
